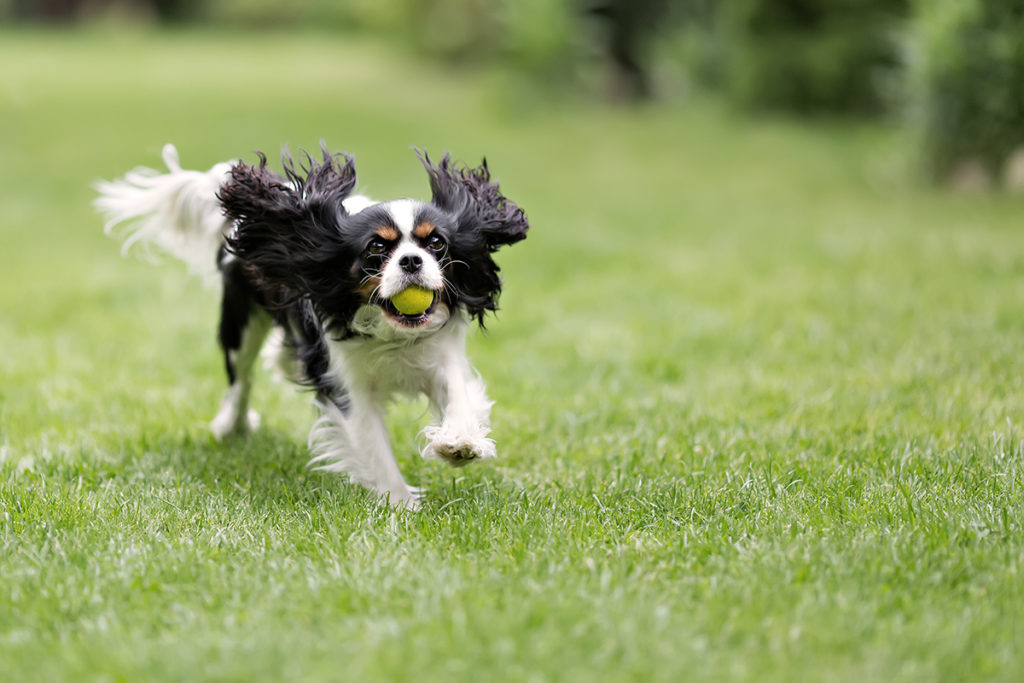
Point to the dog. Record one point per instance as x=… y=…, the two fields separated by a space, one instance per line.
x=305 y=261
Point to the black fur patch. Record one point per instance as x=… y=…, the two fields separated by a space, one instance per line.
x=289 y=234
x=237 y=300
x=306 y=339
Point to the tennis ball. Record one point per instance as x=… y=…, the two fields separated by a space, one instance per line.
x=413 y=300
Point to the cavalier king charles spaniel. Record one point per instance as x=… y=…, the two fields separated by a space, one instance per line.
x=323 y=273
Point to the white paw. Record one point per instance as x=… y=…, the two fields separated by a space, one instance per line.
x=227 y=424
x=456 y=449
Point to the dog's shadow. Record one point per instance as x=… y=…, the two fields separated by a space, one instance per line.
x=268 y=469
x=265 y=469
x=267 y=474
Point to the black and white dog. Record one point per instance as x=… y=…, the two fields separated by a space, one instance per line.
x=307 y=262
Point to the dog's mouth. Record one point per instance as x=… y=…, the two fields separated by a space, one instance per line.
x=399 y=319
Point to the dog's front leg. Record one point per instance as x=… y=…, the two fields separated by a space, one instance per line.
x=459 y=398
x=352 y=437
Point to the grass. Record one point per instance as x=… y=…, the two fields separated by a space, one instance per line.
x=758 y=397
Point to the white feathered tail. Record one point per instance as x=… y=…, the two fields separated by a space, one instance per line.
x=176 y=212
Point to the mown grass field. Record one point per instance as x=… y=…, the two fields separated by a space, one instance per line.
x=759 y=397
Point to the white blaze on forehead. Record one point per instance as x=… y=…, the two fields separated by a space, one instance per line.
x=403 y=212
x=393 y=278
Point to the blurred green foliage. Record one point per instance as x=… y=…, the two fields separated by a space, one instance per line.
x=536 y=36
x=968 y=82
x=961 y=77
x=810 y=56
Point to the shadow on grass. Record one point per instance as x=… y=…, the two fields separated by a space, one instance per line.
x=270 y=468
x=265 y=468
x=268 y=471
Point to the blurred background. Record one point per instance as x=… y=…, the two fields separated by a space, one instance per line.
x=948 y=70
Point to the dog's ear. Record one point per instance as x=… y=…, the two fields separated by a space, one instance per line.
x=478 y=203
x=287 y=229
x=486 y=220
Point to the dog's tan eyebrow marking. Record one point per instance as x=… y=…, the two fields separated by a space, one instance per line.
x=386 y=232
x=424 y=229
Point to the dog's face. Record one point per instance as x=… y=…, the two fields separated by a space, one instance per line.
x=401 y=244
x=305 y=237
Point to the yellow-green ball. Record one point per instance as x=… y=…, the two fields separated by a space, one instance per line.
x=413 y=300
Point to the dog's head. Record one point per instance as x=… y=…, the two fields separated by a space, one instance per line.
x=305 y=236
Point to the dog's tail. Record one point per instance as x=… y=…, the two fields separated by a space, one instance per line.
x=177 y=212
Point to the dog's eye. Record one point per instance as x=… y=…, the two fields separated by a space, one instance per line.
x=376 y=247
x=435 y=243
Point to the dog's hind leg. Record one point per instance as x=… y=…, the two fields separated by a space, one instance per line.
x=244 y=326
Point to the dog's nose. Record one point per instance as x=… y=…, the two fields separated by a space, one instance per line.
x=411 y=263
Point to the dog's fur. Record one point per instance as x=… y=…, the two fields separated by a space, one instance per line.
x=303 y=259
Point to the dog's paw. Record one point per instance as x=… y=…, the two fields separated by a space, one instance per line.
x=227 y=424
x=457 y=449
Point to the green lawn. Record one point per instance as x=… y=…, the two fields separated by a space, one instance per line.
x=759 y=397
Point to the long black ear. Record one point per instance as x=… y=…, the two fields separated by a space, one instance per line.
x=485 y=220
x=287 y=229
x=469 y=194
